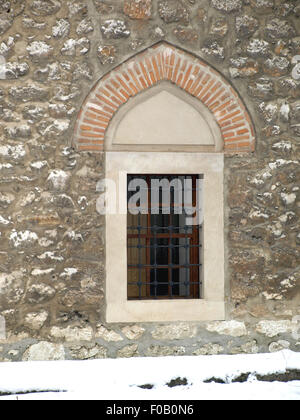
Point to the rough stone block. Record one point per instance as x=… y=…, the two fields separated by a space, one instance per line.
x=138 y=9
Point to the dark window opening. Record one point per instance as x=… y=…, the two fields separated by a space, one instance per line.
x=163 y=246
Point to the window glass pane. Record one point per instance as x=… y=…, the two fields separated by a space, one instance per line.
x=163 y=250
x=137 y=284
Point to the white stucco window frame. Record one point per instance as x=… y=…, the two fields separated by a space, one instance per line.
x=212 y=305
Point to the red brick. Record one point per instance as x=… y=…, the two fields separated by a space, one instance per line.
x=240 y=118
x=179 y=80
x=242 y=131
x=135 y=80
x=85 y=127
x=223 y=106
x=187 y=75
x=156 y=70
x=145 y=73
x=124 y=94
x=175 y=73
x=230 y=134
x=130 y=93
x=237 y=146
x=91 y=148
x=206 y=79
x=114 y=92
x=103 y=99
x=229 y=116
x=161 y=66
x=232 y=127
x=90 y=114
x=206 y=89
x=237 y=138
x=90 y=141
x=97 y=123
x=92 y=135
x=143 y=82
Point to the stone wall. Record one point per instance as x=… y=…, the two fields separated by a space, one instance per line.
x=52 y=238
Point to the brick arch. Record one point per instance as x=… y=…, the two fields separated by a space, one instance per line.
x=164 y=62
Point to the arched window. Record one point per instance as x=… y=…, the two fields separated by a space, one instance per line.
x=164 y=120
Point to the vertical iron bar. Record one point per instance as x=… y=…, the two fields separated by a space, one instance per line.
x=195 y=250
x=170 y=288
x=193 y=270
x=148 y=241
x=186 y=261
x=140 y=256
x=155 y=257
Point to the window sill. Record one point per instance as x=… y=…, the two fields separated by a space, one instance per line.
x=165 y=311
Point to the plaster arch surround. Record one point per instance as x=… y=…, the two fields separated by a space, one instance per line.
x=163 y=117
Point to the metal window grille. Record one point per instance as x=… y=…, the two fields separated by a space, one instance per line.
x=163 y=252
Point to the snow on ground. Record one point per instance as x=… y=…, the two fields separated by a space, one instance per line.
x=119 y=379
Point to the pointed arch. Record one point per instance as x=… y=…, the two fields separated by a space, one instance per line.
x=164 y=62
